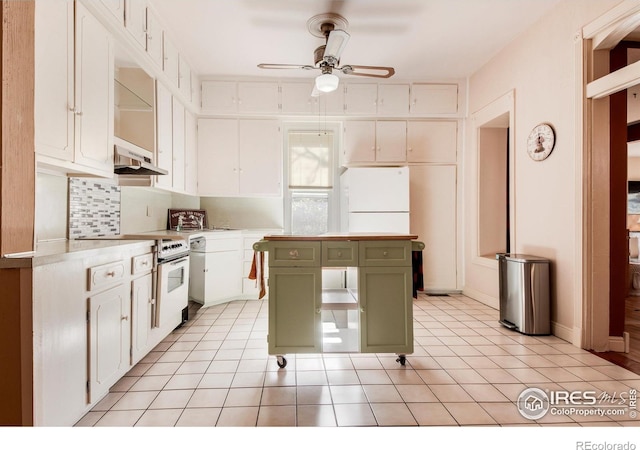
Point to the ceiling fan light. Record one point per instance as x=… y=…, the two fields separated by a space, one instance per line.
x=327 y=82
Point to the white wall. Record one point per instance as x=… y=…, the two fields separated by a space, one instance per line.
x=267 y=212
x=144 y=209
x=540 y=67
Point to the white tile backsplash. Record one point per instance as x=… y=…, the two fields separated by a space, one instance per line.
x=94 y=208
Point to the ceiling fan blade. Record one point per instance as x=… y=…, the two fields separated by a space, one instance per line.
x=368 y=71
x=336 y=43
x=285 y=66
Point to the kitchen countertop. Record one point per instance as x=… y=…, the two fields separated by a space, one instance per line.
x=342 y=237
x=50 y=252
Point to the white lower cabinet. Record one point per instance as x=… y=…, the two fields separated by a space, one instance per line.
x=216 y=274
x=142 y=302
x=109 y=338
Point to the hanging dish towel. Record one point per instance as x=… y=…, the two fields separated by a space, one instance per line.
x=257 y=272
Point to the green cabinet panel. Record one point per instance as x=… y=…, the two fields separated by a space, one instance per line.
x=386 y=310
x=339 y=254
x=294 y=254
x=294 y=310
x=385 y=253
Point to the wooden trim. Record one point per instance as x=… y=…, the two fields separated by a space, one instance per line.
x=17 y=171
x=16 y=351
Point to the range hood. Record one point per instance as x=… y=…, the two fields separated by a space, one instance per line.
x=131 y=160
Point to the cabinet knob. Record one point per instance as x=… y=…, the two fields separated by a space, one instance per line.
x=125 y=318
x=111 y=274
x=385 y=253
x=293 y=253
x=361 y=309
x=318 y=311
x=339 y=254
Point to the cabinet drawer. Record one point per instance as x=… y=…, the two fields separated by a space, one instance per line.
x=339 y=253
x=141 y=263
x=294 y=254
x=385 y=253
x=223 y=245
x=105 y=275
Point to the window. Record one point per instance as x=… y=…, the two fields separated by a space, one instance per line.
x=312 y=180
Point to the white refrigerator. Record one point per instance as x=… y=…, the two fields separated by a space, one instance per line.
x=375 y=199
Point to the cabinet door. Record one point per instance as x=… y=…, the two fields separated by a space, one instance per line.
x=223 y=280
x=393 y=99
x=432 y=141
x=218 y=157
x=116 y=7
x=184 y=78
x=135 y=21
x=391 y=141
x=94 y=93
x=386 y=309
x=296 y=99
x=219 y=97
x=178 y=146
x=359 y=141
x=428 y=99
x=258 y=97
x=170 y=59
x=190 y=153
x=154 y=38
x=260 y=150
x=295 y=300
x=164 y=137
x=54 y=78
x=332 y=103
x=361 y=98
x=433 y=201
x=141 y=308
x=109 y=338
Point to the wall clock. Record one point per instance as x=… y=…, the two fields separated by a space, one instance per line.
x=541 y=141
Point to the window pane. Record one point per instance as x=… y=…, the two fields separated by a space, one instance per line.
x=309 y=213
x=310 y=159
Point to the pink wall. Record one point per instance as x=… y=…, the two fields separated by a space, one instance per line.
x=540 y=68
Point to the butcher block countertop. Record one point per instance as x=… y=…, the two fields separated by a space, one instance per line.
x=343 y=237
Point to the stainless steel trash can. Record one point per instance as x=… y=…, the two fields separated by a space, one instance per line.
x=524 y=293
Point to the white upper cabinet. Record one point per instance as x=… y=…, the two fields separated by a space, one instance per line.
x=164 y=135
x=239 y=157
x=170 y=63
x=184 y=78
x=393 y=99
x=54 y=79
x=432 y=141
x=219 y=97
x=116 y=7
x=135 y=21
x=190 y=153
x=361 y=98
x=433 y=99
x=154 y=39
x=370 y=141
x=258 y=97
x=332 y=103
x=94 y=106
x=218 y=157
x=295 y=98
x=178 y=146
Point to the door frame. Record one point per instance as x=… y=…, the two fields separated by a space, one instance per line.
x=596 y=84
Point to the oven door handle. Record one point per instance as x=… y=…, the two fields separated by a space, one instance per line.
x=178 y=261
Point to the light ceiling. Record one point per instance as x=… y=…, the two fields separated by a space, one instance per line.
x=421 y=39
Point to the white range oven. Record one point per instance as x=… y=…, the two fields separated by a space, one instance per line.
x=172 y=287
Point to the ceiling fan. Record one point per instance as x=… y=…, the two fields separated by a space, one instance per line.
x=332 y=28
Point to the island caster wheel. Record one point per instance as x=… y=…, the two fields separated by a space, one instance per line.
x=402 y=360
x=282 y=361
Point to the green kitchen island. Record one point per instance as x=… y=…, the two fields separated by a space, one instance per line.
x=375 y=309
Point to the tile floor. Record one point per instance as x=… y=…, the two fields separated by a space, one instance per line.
x=466 y=370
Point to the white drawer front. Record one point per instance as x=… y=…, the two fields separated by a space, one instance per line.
x=106 y=274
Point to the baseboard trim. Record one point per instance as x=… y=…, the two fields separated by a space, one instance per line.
x=482 y=298
x=619 y=343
